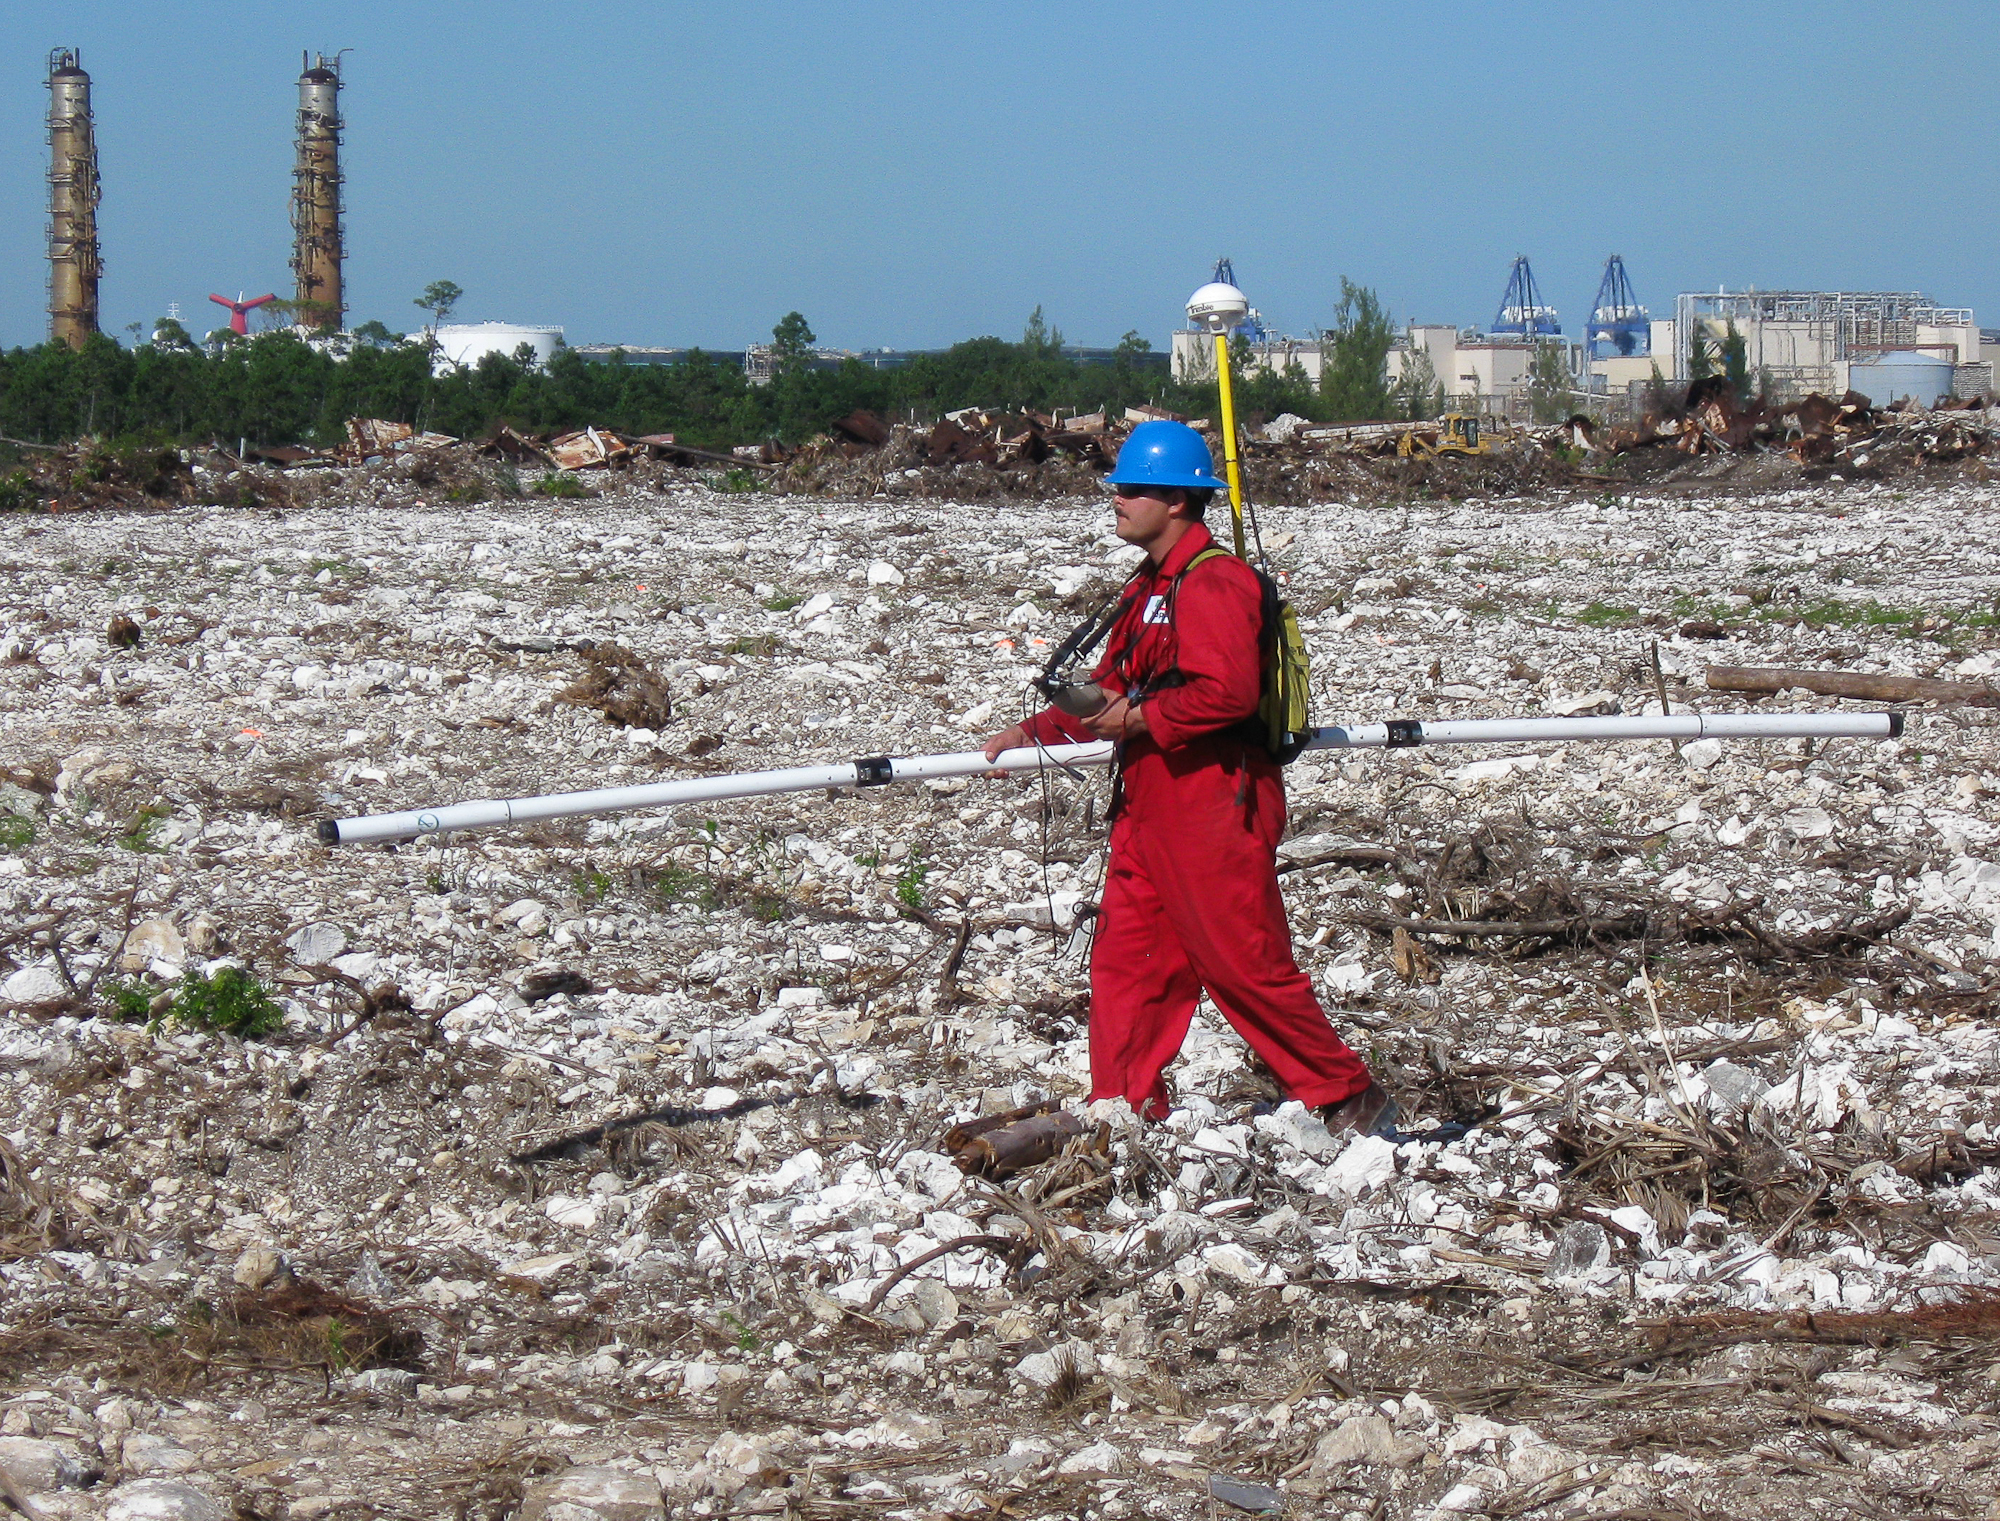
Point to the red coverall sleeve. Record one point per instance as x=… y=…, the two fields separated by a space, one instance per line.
x=1218 y=627
x=1052 y=726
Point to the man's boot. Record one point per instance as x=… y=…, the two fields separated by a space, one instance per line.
x=1369 y=1112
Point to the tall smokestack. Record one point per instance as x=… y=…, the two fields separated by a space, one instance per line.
x=73 y=258
x=317 y=251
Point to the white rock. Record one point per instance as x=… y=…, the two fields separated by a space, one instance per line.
x=1808 y=823
x=1368 y=1162
x=1731 y=1086
x=1588 y=703
x=525 y=914
x=1581 y=1248
x=152 y=940
x=593 y=1494
x=577 y=1214
x=306 y=677
x=1461 y=1500
x=1235 y=1262
x=882 y=573
x=148 y=1452
x=1346 y=978
x=904 y=1429
x=807 y=1166
x=748 y=1455
x=161 y=1500
x=1495 y=769
x=399 y=1382
x=1944 y=1259
x=317 y=943
x=1470 y=1432
x=936 y=1303
x=33 y=984
x=1365 y=1439
x=1098 y=1457
x=1043 y=1368
x=256 y=1267
x=1634 y=1218
x=38 y=1466
x=1298 y=1127
x=1702 y=753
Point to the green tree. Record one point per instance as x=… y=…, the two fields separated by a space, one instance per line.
x=1354 y=368
x=1419 y=396
x=1038 y=339
x=1658 y=401
x=438 y=298
x=1550 y=389
x=1701 y=359
x=373 y=331
x=169 y=334
x=1736 y=364
x=792 y=341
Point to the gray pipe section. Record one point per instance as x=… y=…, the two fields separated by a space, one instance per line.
x=878 y=771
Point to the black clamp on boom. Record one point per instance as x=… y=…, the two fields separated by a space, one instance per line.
x=874 y=771
x=1403 y=733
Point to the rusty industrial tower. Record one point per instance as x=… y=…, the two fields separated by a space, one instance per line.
x=73 y=257
x=316 y=248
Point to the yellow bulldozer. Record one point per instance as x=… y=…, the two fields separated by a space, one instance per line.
x=1457 y=433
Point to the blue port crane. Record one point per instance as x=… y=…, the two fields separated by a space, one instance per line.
x=1619 y=325
x=1522 y=309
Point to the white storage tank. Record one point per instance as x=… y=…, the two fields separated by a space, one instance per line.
x=1924 y=378
x=467 y=343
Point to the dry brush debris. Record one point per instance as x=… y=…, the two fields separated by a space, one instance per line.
x=605 y=1167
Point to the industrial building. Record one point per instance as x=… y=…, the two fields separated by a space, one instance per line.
x=1800 y=341
x=1884 y=345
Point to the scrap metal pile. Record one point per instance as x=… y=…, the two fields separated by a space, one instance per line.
x=1818 y=432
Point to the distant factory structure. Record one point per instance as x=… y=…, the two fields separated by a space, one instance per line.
x=317 y=250
x=1835 y=341
x=466 y=343
x=1884 y=345
x=74 y=261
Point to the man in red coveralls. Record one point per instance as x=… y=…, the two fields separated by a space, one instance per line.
x=1191 y=893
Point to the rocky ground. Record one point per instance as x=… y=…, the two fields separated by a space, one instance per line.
x=1721 y=1236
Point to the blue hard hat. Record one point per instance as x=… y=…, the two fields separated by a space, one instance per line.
x=1162 y=453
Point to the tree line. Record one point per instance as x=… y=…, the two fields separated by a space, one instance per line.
x=279 y=387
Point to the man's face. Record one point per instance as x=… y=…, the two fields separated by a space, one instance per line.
x=1143 y=512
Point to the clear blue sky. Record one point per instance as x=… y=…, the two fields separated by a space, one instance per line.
x=913 y=174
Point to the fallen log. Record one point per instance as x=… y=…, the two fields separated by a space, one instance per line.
x=1869 y=688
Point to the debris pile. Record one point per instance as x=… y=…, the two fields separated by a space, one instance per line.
x=741 y=1162
x=1821 y=434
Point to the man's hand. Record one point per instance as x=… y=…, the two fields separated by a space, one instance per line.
x=1119 y=720
x=1006 y=739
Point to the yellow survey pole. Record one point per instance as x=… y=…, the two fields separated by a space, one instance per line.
x=1229 y=441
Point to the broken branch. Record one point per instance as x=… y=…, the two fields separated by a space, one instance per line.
x=1868 y=688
